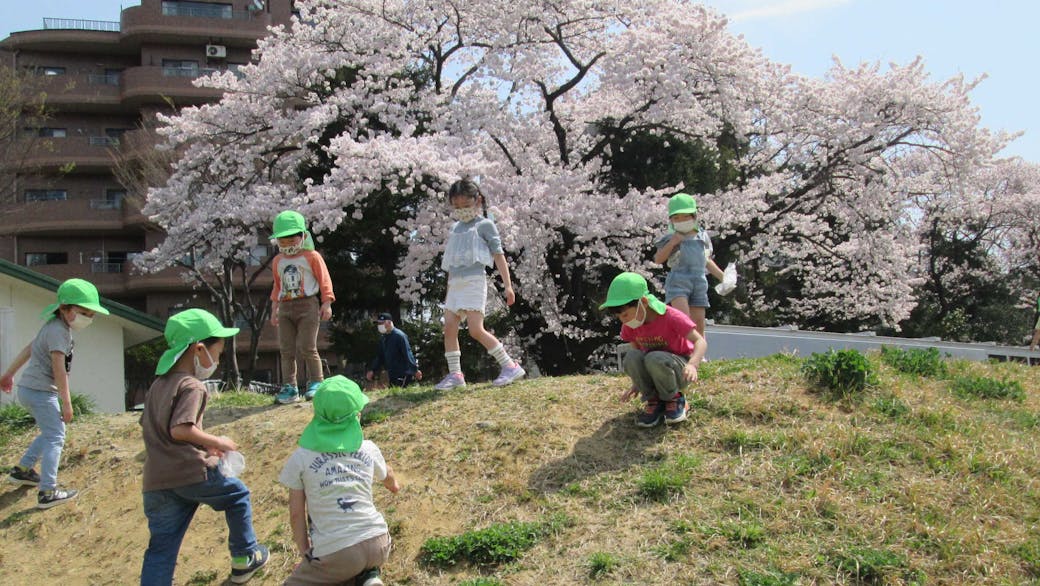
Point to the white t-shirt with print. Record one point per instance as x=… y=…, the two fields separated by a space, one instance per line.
x=339 y=495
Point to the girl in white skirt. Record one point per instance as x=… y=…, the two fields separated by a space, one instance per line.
x=473 y=245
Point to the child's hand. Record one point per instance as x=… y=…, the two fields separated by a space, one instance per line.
x=274 y=319
x=66 y=412
x=690 y=373
x=510 y=296
x=627 y=395
x=222 y=444
x=6 y=383
x=677 y=237
x=390 y=482
x=326 y=311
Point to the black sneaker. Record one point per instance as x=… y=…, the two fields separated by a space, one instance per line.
x=243 y=567
x=675 y=410
x=46 y=499
x=651 y=415
x=369 y=577
x=24 y=477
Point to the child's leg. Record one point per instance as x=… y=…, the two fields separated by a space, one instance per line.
x=287 y=342
x=343 y=565
x=168 y=519
x=47 y=446
x=666 y=371
x=634 y=364
x=307 y=338
x=681 y=304
x=697 y=315
x=451 y=331
x=231 y=496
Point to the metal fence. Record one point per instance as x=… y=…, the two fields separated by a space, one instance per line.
x=80 y=25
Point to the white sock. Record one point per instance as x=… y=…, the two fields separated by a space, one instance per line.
x=500 y=356
x=454 y=361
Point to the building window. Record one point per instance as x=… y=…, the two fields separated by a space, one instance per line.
x=112 y=262
x=48 y=70
x=33 y=259
x=47 y=132
x=113 y=200
x=196 y=9
x=180 y=68
x=46 y=195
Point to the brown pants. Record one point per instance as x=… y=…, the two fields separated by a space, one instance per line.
x=343 y=565
x=298 y=321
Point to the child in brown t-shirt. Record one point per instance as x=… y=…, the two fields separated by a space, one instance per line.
x=180 y=470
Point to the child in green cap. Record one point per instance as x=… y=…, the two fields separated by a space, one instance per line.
x=44 y=387
x=180 y=467
x=301 y=297
x=330 y=480
x=666 y=349
x=687 y=250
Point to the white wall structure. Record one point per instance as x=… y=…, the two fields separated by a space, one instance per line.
x=97 y=364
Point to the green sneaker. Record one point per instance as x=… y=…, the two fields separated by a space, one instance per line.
x=287 y=395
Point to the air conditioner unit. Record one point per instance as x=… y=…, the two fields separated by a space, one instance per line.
x=216 y=51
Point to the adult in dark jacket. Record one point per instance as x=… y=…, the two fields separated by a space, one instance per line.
x=395 y=355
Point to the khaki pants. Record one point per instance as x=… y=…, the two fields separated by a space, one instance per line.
x=657 y=375
x=343 y=565
x=298 y=321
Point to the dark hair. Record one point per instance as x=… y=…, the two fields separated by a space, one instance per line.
x=619 y=308
x=210 y=341
x=466 y=187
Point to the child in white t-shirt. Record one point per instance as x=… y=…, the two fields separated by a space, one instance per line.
x=336 y=527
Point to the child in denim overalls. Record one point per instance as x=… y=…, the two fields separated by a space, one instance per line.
x=687 y=251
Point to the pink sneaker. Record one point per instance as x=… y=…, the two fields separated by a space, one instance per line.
x=509 y=374
x=453 y=380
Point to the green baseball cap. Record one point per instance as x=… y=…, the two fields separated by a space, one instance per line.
x=186 y=328
x=681 y=203
x=76 y=292
x=335 y=426
x=288 y=223
x=628 y=287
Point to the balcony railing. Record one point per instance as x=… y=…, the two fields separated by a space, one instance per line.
x=104 y=141
x=217 y=11
x=80 y=25
x=191 y=72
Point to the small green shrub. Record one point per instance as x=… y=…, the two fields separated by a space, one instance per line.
x=842 y=374
x=497 y=544
x=744 y=534
x=980 y=387
x=671 y=478
x=772 y=578
x=602 y=563
x=674 y=551
x=891 y=406
x=15 y=417
x=919 y=361
x=869 y=565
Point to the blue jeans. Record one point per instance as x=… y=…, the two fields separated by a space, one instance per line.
x=170 y=511
x=46 y=447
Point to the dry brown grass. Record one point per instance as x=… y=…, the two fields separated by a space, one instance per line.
x=781 y=481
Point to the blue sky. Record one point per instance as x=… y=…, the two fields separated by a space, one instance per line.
x=953 y=36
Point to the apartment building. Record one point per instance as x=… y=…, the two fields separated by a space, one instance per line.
x=105 y=81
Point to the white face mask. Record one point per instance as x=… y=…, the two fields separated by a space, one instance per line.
x=635 y=323
x=685 y=226
x=80 y=322
x=204 y=372
x=290 y=250
x=464 y=214
x=381 y=328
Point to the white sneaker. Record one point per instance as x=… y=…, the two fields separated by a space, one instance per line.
x=453 y=380
x=509 y=374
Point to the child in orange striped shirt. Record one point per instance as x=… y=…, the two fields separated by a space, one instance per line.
x=302 y=296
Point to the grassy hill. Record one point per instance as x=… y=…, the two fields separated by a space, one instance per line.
x=549 y=481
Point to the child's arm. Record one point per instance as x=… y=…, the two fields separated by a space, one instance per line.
x=503 y=271
x=61 y=382
x=714 y=269
x=193 y=434
x=7 y=380
x=298 y=520
x=390 y=482
x=700 y=346
x=321 y=273
x=276 y=291
x=662 y=254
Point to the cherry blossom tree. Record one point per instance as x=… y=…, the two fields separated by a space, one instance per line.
x=531 y=98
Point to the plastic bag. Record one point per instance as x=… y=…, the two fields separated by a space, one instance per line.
x=231 y=464
x=729 y=280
